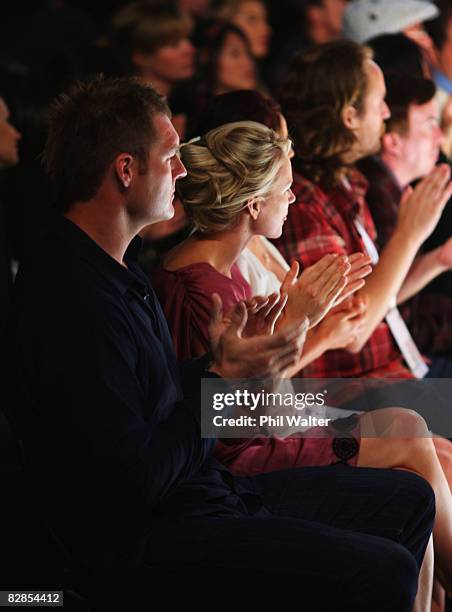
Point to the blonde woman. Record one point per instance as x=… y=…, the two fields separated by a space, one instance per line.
x=238 y=186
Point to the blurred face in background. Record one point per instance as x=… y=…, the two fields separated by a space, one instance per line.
x=251 y=18
x=170 y=63
x=325 y=20
x=235 y=67
x=420 y=146
x=334 y=12
x=9 y=139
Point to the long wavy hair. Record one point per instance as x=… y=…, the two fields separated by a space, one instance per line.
x=321 y=83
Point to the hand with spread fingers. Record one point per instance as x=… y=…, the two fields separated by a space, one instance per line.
x=322 y=286
x=259 y=356
x=421 y=208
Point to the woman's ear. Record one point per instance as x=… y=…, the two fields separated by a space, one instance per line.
x=254 y=207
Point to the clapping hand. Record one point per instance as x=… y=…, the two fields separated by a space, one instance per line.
x=323 y=285
x=256 y=356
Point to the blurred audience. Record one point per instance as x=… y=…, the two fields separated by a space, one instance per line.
x=251 y=17
x=151 y=40
x=334 y=103
x=296 y=26
x=366 y=19
x=224 y=63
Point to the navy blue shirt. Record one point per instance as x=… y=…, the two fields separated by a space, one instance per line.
x=110 y=424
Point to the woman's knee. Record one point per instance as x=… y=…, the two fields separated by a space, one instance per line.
x=395 y=423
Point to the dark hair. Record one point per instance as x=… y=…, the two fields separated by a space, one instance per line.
x=243 y=105
x=209 y=39
x=145 y=26
x=90 y=126
x=321 y=83
x=396 y=53
x=437 y=28
x=401 y=92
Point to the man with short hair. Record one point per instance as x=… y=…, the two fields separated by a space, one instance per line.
x=410 y=150
x=110 y=422
x=334 y=102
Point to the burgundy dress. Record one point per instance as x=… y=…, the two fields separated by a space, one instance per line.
x=185 y=296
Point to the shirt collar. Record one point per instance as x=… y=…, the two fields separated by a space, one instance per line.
x=87 y=249
x=350 y=194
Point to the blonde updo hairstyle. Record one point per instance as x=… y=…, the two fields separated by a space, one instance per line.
x=225 y=169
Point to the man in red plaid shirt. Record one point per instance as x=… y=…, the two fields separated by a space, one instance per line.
x=334 y=102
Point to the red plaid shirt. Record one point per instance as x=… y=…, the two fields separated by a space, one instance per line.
x=428 y=314
x=321 y=222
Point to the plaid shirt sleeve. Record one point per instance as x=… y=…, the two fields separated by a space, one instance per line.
x=314 y=228
x=307 y=234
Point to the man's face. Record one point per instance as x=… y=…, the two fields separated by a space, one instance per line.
x=9 y=139
x=151 y=198
x=420 y=147
x=334 y=12
x=370 y=124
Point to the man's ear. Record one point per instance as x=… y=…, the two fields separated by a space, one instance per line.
x=124 y=168
x=254 y=207
x=350 y=117
x=391 y=144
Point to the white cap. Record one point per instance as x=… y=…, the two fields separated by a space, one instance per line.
x=365 y=19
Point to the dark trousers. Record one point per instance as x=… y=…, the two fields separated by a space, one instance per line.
x=336 y=538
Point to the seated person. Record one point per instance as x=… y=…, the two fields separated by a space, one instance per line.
x=332 y=129
x=410 y=149
x=238 y=186
x=110 y=428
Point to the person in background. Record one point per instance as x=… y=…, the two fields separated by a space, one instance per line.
x=135 y=495
x=397 y=53
x=251 y=17
x=410 y=149
x=366 y=19
x=9 y=156
x=224 y=63
x=151 y=40
x=440 y=31
x=296 y=26
x=331 y=213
